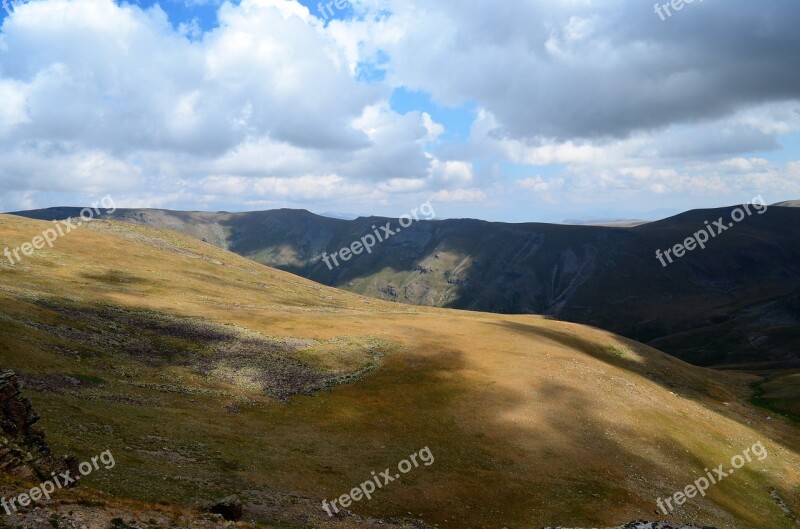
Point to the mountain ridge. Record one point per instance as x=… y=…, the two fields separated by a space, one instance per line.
x=603 y=276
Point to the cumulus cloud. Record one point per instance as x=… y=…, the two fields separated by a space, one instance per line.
x=580 y=69
x=93 y=93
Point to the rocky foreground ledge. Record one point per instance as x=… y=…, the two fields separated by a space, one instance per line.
x=641 y=524
x=23 y=450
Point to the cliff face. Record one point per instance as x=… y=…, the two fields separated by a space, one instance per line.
x=23 y=450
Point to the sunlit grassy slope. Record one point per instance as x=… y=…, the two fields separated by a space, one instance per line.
x=207 y=374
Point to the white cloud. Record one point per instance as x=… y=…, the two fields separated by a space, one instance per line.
x=434 y=129
x=459 y=195
x=93 y=93
x=452 y=172
x=267 y=108
x=536 y=183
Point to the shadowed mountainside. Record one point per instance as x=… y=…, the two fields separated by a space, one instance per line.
x=729 y=305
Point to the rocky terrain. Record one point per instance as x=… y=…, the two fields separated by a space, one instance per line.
x=649 y=525
x=24 y=452
x=109 y=514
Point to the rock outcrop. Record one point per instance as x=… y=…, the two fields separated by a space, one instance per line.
x=641 y=524
x=23 y=449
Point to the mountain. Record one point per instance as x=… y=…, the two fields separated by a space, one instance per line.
x=206 y=374
x=720 y=307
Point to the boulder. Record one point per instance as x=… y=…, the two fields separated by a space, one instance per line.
x=229 y=508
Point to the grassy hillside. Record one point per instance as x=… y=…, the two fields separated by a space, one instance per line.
x=207 y=374
x=724 y=306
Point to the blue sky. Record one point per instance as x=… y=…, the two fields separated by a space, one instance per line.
x=532 y=111
x=181 y=12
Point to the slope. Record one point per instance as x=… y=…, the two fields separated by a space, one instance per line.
x=207 y=374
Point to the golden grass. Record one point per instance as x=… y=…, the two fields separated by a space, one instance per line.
x=533 y=422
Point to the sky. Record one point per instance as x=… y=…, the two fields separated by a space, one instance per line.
x=516 y=111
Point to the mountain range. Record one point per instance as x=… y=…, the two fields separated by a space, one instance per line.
x=735 y=304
